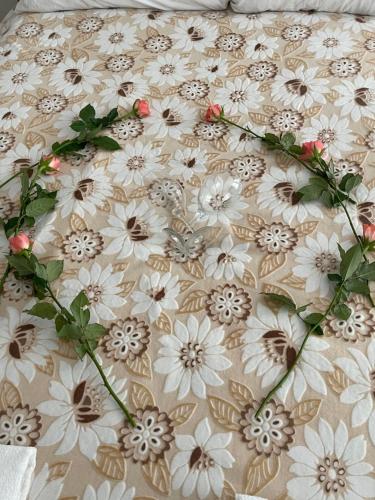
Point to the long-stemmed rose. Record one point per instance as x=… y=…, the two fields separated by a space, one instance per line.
x=73 y=323
x=355 y=270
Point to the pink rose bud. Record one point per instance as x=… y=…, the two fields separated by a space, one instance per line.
x=55 y=164
x=214 y=111
x=142 y=108
x=19 y=242
x=309 y=148
x=369 y=232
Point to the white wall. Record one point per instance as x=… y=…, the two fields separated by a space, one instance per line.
x=5 y=6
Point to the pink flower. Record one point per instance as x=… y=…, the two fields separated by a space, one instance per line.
x=50 y=165
x=19 y=242
x=309 y=148
x=142 y=108
x=369 y=232
x=214 y=111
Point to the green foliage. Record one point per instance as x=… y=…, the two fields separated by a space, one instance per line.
x=43 y=310
x=281 y=300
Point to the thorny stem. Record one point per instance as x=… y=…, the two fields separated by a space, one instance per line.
x=10 y=179
x=299 y=354
x=338 y=291
x=95 y=360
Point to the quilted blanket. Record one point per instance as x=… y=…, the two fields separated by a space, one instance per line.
x=191 y=344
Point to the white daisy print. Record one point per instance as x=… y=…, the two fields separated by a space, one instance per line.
x=188 y=162
x=102 y=288
x=198 y=465
x=167 y=69
x=55 y=37
x=83 y=191
x=21 y=78
x=316 y=260
x=75 y=77
x=240 y=96
x=43 y=233
x=300 y=88
x=333 y=132
x=123 y=91
x=241 y=142
x=153 y=18
x=261 y=47
x=253 y=21
x=330 y=466
x=15 y=159
x=13 y=115
x=357 y=98
x=105 y=492
x=156 y=293
x=85 y=413
x=45 y=487
x=228 y=260
x=135 y=164
x=25 y=342
x=191 y=356
x=271 y=345
x=218 y=201
x=116 y=38
x=193 y=34
x=360 y=370
x=330 y=44
x=135 y=230
x=278 y=192
x=361 y=212
x=359 y=24
x=211 y=68
x=170 y=118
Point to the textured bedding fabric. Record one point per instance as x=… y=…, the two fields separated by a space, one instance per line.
x=43 y=6
x=356 y=6
x=191 y=343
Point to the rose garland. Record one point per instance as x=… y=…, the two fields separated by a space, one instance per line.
x=71 y=324
x=355 y=271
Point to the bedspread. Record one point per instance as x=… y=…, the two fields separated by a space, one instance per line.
x=190 y=342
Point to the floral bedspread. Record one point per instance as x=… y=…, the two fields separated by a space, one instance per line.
x=191 y=343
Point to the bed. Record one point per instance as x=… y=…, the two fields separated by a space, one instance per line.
x=306 y=72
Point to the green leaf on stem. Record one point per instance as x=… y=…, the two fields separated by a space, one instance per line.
x=313 y=190
x=78 y=126
x=60 y=321
x=336 y=278
x=87 y=114
x=70 y=332
x=43 y=310
x=350 y=261
x=366 y=271
x=313 y=320
x=342 y=311
x=349 y=182
x=79 y=309
x=106 y=143
x=358 y=286
x=54 y=269
x=21 y=264
x=40 y=206
x=282 y=300
x=288 y=140
x=40 y=270
x=94 y=331
x=81 y=350
x=271 y=138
